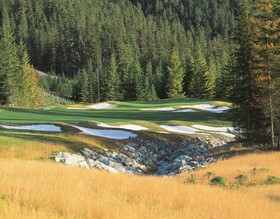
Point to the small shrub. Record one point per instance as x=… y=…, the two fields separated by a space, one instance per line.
x=272 y=180
x=255 y=170
x=191 y=180
x=241 y=179
x=235 y=186
x=209 y=174
x=263 y=169
x=220 y=181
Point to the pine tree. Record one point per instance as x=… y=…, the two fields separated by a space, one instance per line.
x=225 y=80
x=211 y=79
x=189 y=75
x=30 y=92
x=131 y=71
x=84 y=82
x=158 y=81
x=150 y=81
x=28 y=89
x=145 y=88
x=9 y=64
x=248 y=113
x=276 y=84
x=113 y=81
x=92 y=83
x=175 y=76
x=265 y=48
x=198 y=86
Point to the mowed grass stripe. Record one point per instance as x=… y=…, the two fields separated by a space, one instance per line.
x=126 y=112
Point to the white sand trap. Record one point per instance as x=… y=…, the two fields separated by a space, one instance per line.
x=102 y=106
x=128 y=127
x=226 y=131
x=208 y=107
x=179 y=129
x=45 y=128
x=215 y=129
x=160 y=109
x=185 y=111
x=111 y=134
x=95 y=106
x=73 y=108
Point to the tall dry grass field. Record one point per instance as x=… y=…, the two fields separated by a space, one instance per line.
x=33 y=189
x=31 y=150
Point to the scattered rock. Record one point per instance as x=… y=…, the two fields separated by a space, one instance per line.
x=146 y=156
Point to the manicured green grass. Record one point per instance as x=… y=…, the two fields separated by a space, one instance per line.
x=126 y=112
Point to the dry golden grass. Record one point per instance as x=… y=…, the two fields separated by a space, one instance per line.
x=30 y=150
x=255 y=166
x=33 y=189
x=95 y=143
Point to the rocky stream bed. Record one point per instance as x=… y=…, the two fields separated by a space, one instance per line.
x=147 y=157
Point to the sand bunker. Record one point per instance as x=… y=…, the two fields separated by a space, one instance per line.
x=179 y=129
x=185 y=111
x=208 y=107
x=111 y=134
x=216 y=129
x=102 y=106
x=44 y=128
x=128 y=127
x=95 y=106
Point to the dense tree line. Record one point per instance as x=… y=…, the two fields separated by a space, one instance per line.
x=124 y=48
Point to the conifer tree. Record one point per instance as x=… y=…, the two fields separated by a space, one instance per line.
x=189 y=75
x=30 y=95
x=9 y=64
x=84 y=81
x=158 y=81
x=150 y=80
x=265 y=48
x=175 y=76
x=248 y=113
x=28 y=88
x=225 y=80
x=211 y=79
x=92 y=82
x=146 y=89
x=113 y=81
x=198 y=86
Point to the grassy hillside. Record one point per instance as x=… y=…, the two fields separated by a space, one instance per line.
x=33 y=189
